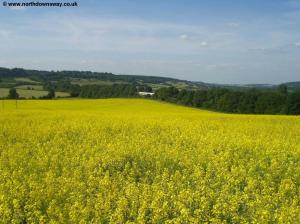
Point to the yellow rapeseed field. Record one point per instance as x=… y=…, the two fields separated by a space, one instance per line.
x=141 y=161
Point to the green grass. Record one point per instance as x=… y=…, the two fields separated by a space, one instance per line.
x=31 y=93
x=157 y=86
x=21 y=79
x=32 y=87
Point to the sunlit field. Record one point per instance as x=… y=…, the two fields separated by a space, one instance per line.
x=141 y=161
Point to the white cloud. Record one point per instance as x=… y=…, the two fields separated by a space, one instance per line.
x=203 y=43
x=115 y=35
x=183 y=37
x=81 y=42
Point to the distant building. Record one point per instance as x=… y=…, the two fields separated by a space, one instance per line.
x=146 y=94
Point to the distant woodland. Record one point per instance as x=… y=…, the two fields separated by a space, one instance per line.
x=280 y=99
x=251 y=101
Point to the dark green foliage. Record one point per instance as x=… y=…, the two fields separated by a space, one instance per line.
x=272 y=100
x=293 y=103
x=283 y=89
x=51 y=94
x=75 y=90
x=63 y=86
x=270 y=103
x=185 y=97
x=116 y=90
x=246 y=102
x=13 y=94
x=47 y=76
x=199 y=98
x=229 y=102
x=144 y=88
x=293 y=86
x=167 y=94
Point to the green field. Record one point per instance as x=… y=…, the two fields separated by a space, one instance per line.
x=31 y=87
x=25 y=80
x=142 y=161
x=30 y=93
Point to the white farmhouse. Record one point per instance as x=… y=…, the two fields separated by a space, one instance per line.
x=146 y=94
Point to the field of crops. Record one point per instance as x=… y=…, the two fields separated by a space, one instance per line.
x=141 y=161
x=29 y=93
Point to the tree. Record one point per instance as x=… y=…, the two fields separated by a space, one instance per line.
x=144 y=88
x=200 y=97
x=51 y=94
x=283 y=89
x=106 y=91
x=167 y=94
x=248 y=101
x=229 y=102
x=293 y=103
x=13 y=94
x=185 y=97
x=75 y=90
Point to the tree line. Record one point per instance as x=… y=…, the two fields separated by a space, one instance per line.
x=88 y=91
x=251 y=101
x=13 y=94
x=93 y=91
x=108 y=91
x=48 y=76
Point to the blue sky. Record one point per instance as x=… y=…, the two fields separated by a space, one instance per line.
x=232 y=41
